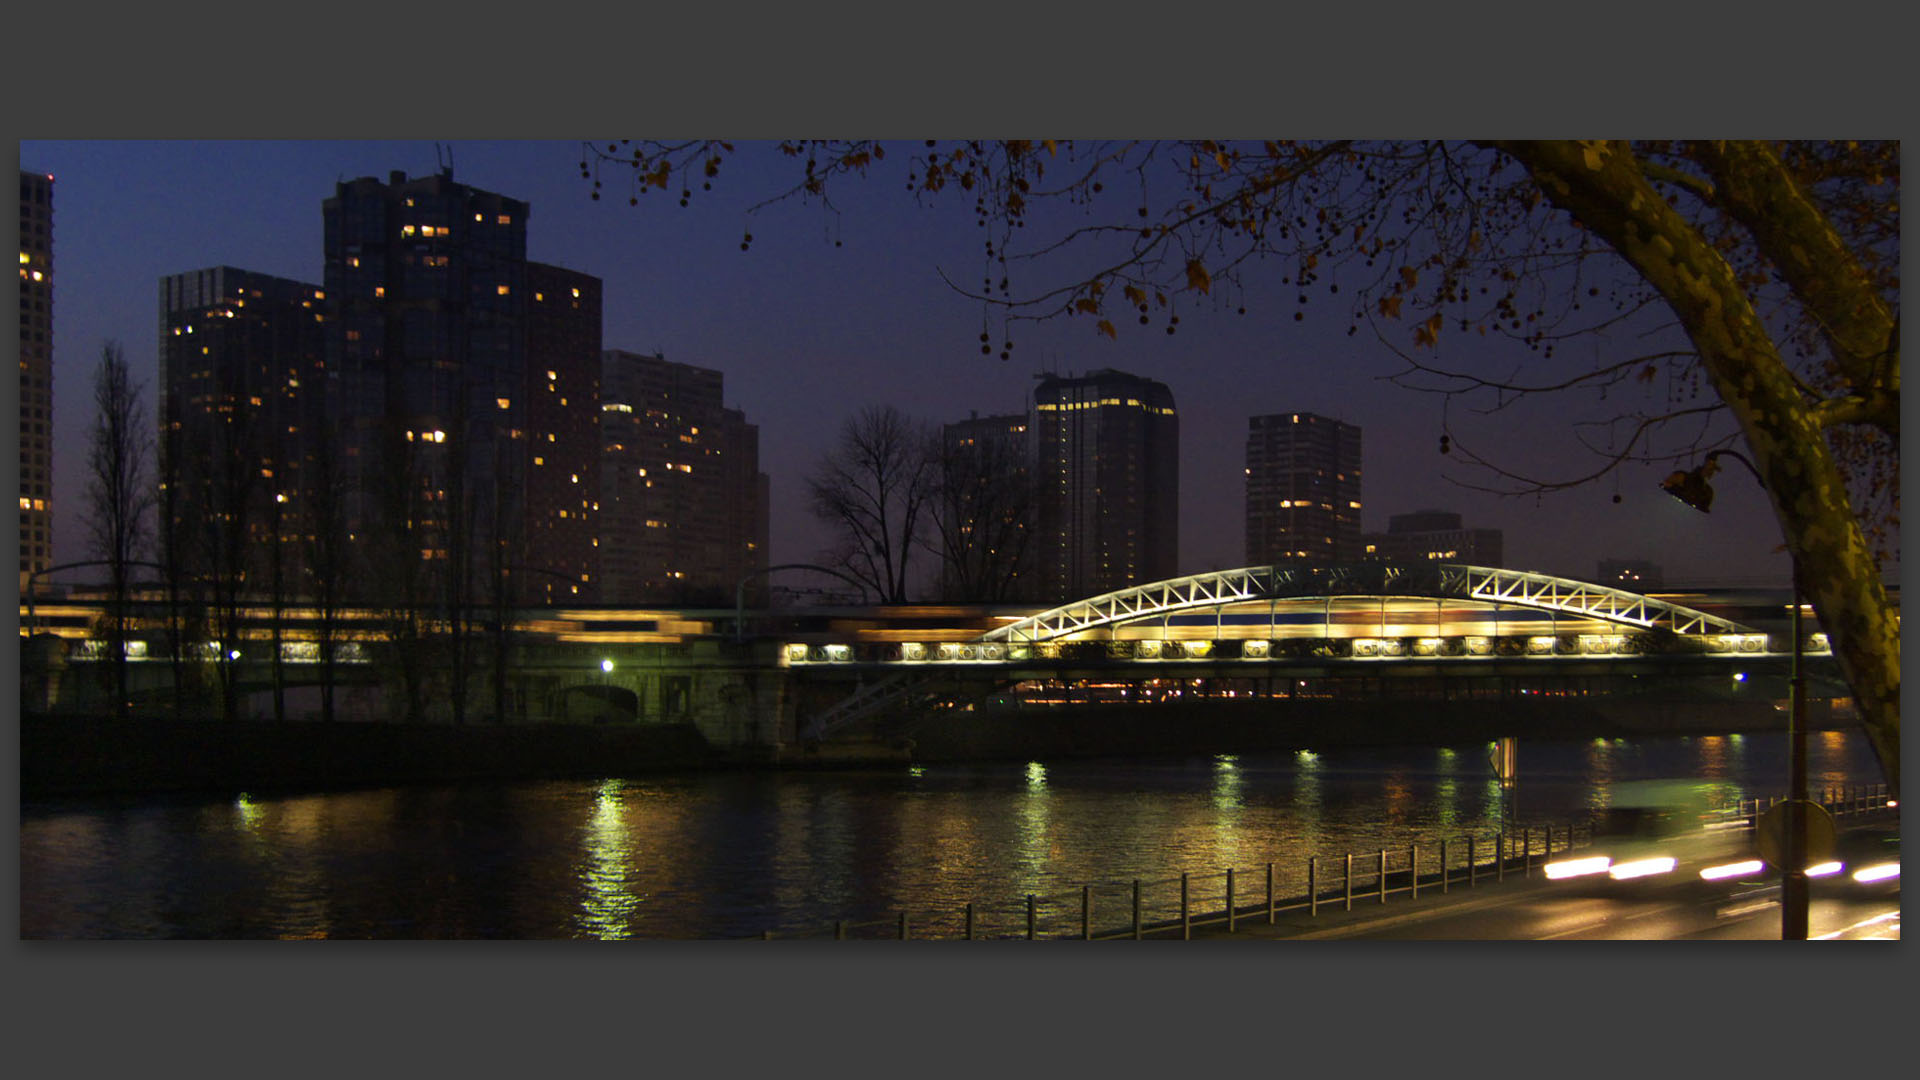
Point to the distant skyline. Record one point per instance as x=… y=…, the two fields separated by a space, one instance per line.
x=806 y=332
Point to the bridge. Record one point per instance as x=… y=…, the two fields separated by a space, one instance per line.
x=802 y=676
x=1312 y=621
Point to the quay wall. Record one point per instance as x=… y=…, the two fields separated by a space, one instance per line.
x=1277 y=726
x=76 y=756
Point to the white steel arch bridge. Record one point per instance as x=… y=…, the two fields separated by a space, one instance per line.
x=1362 y=613
x=1515 y=588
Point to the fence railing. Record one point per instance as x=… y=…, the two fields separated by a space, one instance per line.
x=1843 y=801
x=1174 y=906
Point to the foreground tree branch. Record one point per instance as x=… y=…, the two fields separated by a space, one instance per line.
x=1602 y=187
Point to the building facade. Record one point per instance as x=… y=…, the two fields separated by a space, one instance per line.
x=1435 y=536
x=453 y=432
x=1302 y=489
x=684 y=505
x=36 y=375
x=563 y=456
x=1106 y=483
x=984 y=521
x=242 y=391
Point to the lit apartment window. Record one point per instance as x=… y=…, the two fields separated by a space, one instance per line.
x=503 y=402
x=501 y=290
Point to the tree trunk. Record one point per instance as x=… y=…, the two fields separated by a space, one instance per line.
x=1603 y=188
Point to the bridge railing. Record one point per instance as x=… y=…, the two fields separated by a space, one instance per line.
x=1174 y=905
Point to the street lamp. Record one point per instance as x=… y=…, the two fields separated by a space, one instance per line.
x=1691 y=486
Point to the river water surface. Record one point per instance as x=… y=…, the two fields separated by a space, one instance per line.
x=728 y=855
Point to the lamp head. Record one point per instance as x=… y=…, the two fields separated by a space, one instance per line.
x=1690 y=486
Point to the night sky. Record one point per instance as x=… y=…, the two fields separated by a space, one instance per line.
x=807 y=331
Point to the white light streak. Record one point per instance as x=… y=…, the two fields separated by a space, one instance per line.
x=1658 y=864
x=1739 y=869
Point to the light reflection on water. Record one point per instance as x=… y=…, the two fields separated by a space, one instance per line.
x=606 y=905
x=728 y=855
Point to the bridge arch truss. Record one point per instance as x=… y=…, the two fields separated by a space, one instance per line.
x=1516 y=588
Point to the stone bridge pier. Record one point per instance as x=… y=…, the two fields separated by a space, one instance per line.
x=735 y=693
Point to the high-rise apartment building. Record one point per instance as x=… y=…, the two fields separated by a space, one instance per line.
x=466 y=403
x=563 y=416
x=985 y=521
x=36 y=374
x=1303 y=489
x=1433 y=536
x=1107 y=482
x=241 y=400
x=683 y=503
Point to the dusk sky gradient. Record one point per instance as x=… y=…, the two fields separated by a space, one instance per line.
x=807 y=332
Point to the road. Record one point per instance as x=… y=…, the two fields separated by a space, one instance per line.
x=1668 y=908
x=1687 y=912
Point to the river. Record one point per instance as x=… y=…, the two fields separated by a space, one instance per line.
x=733 y=854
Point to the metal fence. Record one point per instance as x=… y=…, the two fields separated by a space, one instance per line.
x=1173 y=906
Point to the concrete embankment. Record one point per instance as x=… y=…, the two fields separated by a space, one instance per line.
x=65 y=756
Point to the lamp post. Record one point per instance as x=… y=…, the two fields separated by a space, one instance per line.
x=1691 y=487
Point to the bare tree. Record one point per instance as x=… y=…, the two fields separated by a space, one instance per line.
x=981 y=518
x=401 y=568
x=873 y=489
x=119 y=498
x=328 y=561
x=230 y=513
x=1777 y=264
x=186 y=615
x=459 y=514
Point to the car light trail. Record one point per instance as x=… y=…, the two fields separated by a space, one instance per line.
x=1876 y=872
x=1715 y=873
x=1567 y=868
x=1659 y=864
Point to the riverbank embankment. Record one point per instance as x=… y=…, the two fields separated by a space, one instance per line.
x=1213 y=726
x=67 y=756
x=74 y=756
